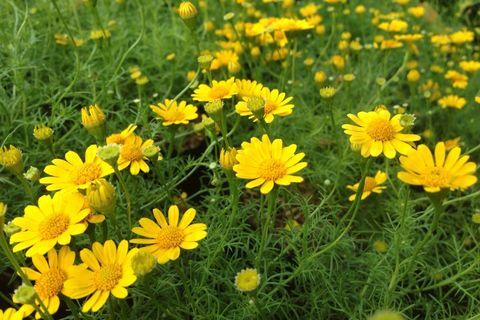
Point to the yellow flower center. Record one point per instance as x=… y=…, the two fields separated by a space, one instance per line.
x=218 y=92
x=437 y=177
x=53 y=226
x=272 y=169
x=381 y=130
x=107 y=277
x=370 y=184
x=116 y=138
x=50 y=283
x=131 y=152
x=269 y=107
x=170 y=237
x=175 y=115
x=87 y=173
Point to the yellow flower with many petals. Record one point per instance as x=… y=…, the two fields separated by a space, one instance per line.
x=247 y=280
x=49 y=277
x=172 y=112
x=248 y=88
x=164 y=239
x=470 y=66
x=11 y=314
x=218 y=91
x=54 y=220
x=458 y=79
x=437 y=171
x=109 y=272
x=394 y=26
x=131 y=154
x=268 y=163
x=119 y=138
x=372 y=184
x=376 y=133
x=452 y=101
x=226 y=58
x=72 y=173
x=275 y=104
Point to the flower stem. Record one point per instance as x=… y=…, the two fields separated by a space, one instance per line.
x=266 y=228
x=127 y=197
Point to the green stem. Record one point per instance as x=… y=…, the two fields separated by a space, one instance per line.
x=73 y=307
x=127 y=197
x=267 y=225
x=186 y=286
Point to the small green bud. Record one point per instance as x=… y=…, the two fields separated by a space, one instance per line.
x=32 y=174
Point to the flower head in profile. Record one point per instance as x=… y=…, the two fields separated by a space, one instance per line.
x=267 y=163
x=54 y=220
x=376 y=132
x=247 y=280
x=248 y=88
x=108 y=271
x=131 y=154
x=274 y=103
x=11 y=158
x=73 y=173
x=172 y=112
x=219 y=90
x=372 y=184
x=437 y=171
x=119 y=138
x=165 y=239
x=49 y=276
x=452 y=101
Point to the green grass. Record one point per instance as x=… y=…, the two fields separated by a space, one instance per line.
x=325 y=269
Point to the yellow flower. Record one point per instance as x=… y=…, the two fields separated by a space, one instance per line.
x=42 y=132
x=100 y=34
x=143 y=263
x=452 y=143
x=11 y=158
x=320 y=77
x=390 y=44
x=338 y=62
x=93 y=119
x=49 y=277
x=394 y=26
x=375 y=133
x=308 y=10
x=452 y=101
x=131 y=154
x=247 y=280
x=417 y=11
x=458 y=80
x=226 y=58
x=172 y=112
x=380 y=246
x=72 y=173
x=438 y=171
x=119 y=138
x=462 y=36
x=54 y=220
x=101 y=196
x=372 y=184
x=267 y=163
x=11 y=314
x=327 y=92
x=470 y=66
x=276 y=104
x=164 y=239
x=228 y=158
x=218 y=91
x=386 y=315
x=413 y=75
x=477 y=99
x=109 y=271
x=248 y=88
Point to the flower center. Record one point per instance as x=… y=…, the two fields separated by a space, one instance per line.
x=87 y=173
x=381 y=130
x=269 y=107
x=272 y=169
x=116 y=138
x=175 y=115
x=53 y=226
x=170 y=237
x=107 y=277
x=437 y=177
x=370 y=183
x=131 y=152
x=218 y=92
x=50 y=283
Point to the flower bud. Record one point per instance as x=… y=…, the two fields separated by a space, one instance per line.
x=24 y=294
x=10 y=228
x=247 y=280
x=93 y=119
x=407 y=120
x=205 y=61
x=188 y=12
x=42 y=132
x=228 y=158
x=3 y=211
x=109 y=153
x=152 y=152
x=214 y=110
x=11 y=158
x=32 y=174
x=143 y=263
x=256 y=105
x=327 y=92
x=101 y=196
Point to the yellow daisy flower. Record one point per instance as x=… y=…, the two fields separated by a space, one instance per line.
x=452 y=101
x=248 y=88
x=377 y=132
x=119 y=138
x=109 y=271
x=267 y=163
x=11 y=314
x=49 y=278
x=72 y=173
x=164 y=239
x=247 y=280
x=131 y=154
x=218 y=91
x=276 y=104
x=172 y=112
x=372 y=184
x=438 y=171
x=54 y=220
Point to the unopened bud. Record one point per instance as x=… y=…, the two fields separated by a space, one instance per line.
x=109 y=153
x=32 y=174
